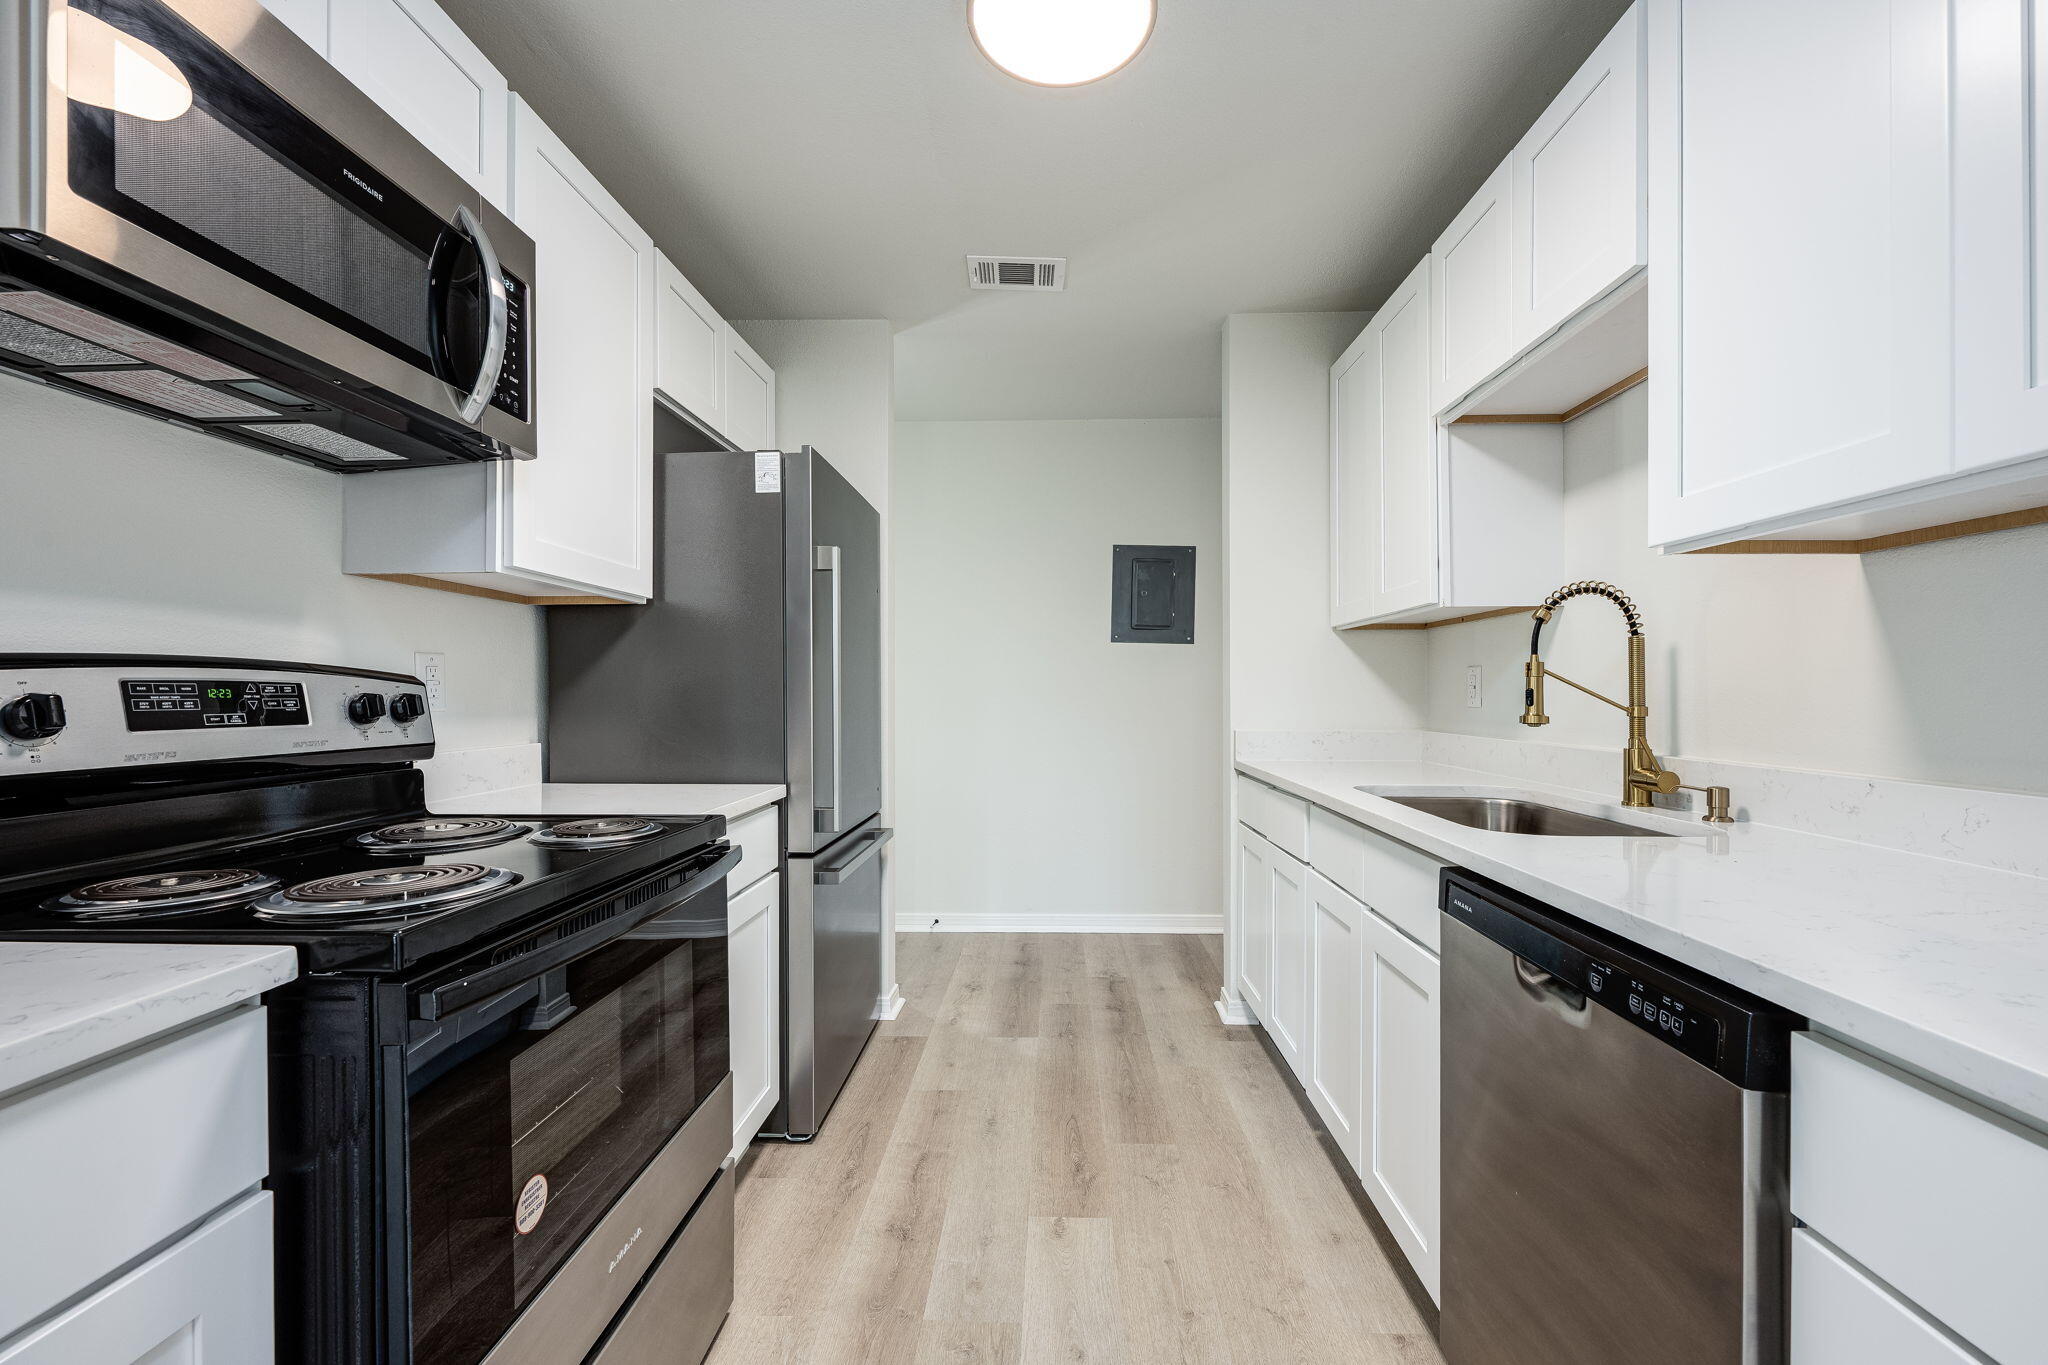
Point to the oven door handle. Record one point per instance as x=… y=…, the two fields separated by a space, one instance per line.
x=467 y=987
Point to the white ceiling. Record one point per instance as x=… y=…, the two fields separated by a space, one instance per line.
x=840 y=158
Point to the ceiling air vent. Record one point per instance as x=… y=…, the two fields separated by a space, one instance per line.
x=1016 y=272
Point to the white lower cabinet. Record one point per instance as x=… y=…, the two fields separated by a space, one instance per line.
x=205 y=1301
x=126 y=1249
x=754 y=965
x=1941 y=1200
x=1331 y=959
x=1336 y=1071
x=1289 y=995
x=1253 y=922
x=1841 y=1316
x=1399 y=1161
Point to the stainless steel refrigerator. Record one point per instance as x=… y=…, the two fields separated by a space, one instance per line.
x=758 y=659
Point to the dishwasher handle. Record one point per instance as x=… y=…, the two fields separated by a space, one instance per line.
x=1550 y=991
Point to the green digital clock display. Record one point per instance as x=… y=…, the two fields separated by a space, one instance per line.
x=212 y=703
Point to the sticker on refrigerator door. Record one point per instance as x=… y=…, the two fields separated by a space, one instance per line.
x=767 y=471
x=533 y=1202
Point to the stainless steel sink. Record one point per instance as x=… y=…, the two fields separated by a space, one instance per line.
x=1509 y=815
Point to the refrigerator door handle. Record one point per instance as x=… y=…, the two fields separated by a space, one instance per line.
x=826 y=818
x=870 y=844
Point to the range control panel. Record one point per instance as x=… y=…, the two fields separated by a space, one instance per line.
x=195 y=703
x=86 y=713
x=1654 y=1009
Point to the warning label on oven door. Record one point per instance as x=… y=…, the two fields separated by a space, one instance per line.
x=533 y=1202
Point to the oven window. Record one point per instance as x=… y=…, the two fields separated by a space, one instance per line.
x=536 y=1116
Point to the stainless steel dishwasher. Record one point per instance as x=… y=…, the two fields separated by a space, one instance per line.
x=1614 y=1142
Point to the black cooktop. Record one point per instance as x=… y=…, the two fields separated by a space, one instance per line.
x=349 y=900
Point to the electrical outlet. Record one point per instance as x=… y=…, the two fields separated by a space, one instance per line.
x=431 y=669
x=1475 y=686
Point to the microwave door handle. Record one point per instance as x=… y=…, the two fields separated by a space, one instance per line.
x=827 y=818
x=466 y=988
x=497 y=326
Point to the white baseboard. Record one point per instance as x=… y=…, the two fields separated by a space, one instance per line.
x=1058 y=923
x=890 y=1005
x=1231 y=1009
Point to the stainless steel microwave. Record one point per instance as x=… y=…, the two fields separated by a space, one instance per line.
x=202 y=220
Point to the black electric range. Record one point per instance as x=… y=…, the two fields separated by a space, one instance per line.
x=508 y=1038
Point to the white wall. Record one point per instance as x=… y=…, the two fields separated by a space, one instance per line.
x=1046 y=777
x=1926 y=663
x=119 y=534
x=1288 y=669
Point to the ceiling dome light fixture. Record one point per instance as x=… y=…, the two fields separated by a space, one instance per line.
x=1061 y=42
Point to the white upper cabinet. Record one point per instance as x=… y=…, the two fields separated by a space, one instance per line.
x=425 y=72
x=307 y=18
x=1557 y=228
x=2001 y=226
x=689 y=363
x=1472 y=292
x=1382 y=464
x=583 y=512
x=1431 y=521
x=749 y=394
x=1576 y=192
x=1799 y=213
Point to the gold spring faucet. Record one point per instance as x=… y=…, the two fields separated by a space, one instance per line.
x=1642 y=775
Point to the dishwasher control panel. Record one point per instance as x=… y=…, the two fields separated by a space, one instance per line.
x=1654 y=1009
x=1580 y=966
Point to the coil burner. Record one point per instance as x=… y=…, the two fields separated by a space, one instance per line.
x=598 y=832
x=441 y=834
x=396 y=894
x=154 y=894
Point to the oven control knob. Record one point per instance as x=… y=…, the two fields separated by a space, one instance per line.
x=32 y=716
x=366 y=708
x=407 y=707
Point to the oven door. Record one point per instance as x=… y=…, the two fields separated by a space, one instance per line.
x=197 y=149
x=549 y=1081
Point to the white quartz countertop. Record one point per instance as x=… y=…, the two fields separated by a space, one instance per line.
x=731 y=800
x=65 y=1004
x=1941 y=964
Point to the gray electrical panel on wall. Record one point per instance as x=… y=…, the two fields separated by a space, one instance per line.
x=1152 y=595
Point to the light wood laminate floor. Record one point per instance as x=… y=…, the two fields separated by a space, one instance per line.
x=1058 y=1153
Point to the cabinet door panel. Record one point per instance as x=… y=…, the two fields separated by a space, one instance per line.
x=1577 y=196
x=1471 y=290
x=1383 y=467
x=1337 y=1012
x=689 y=366
x=1400 y=1162
x=2001 y=223
x=425 y=72
x=749 y=395
x=204 y=1301
x=1840 y=1316
x=754 y=963
x=582 y=513
x=1809 y=341
x=1254 y=922
x=1289 y=994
